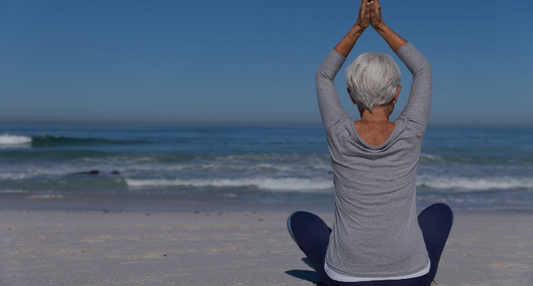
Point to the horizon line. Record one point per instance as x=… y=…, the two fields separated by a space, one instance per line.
x=234 y=124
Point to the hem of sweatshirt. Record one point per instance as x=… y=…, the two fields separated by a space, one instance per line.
x=345 y=278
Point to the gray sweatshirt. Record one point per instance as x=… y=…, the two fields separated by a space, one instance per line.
x=376 y=232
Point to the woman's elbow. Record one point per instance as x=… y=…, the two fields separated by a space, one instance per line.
x=321 y=76
x=424 y=69
x=427 y=67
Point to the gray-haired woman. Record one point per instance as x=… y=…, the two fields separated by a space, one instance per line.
x=377 y=237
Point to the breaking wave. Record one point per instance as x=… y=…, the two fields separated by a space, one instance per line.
x=7 y=140
x=475 y=184
x=13 y=140
x=272 y=184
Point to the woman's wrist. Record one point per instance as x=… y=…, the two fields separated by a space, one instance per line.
x=356 y=30
x=381 y=27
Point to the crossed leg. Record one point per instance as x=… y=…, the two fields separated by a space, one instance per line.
x=311 y=234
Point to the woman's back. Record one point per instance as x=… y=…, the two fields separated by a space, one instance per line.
x=375 y=178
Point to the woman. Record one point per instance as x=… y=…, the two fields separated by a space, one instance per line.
x=377 y=238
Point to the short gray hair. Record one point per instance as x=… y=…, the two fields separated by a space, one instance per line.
x=372 y=79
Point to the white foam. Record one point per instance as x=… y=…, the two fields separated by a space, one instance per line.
x=475 y=184
x=45 y=197
x=10 y=140
x=431 y=157
x=276 y=184
x=12 y=191
x=21 y=172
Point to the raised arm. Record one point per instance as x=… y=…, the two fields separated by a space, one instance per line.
x=393 y=39
x=328 y=100
x=419 y=103
x=346 y=44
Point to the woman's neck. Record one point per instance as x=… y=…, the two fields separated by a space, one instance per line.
x=374 y=128
x=380 y=114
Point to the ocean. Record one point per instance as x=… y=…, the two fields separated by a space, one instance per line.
x=470 y=168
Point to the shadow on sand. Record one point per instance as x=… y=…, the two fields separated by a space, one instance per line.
x=308 y=275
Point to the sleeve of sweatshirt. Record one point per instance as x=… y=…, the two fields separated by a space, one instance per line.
x=419 y=103
x=328 y=100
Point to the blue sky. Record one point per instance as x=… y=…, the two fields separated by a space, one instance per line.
x=249 y=62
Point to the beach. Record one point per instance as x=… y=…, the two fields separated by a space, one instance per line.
x=167 y=142
x=217 y=245
x=149 y=205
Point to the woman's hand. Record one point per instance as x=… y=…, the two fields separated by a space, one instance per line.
x=364 y=14
x=375 y=14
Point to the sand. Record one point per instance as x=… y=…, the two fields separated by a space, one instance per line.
x=60 y=247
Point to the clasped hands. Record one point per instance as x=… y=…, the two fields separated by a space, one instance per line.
x=369 y=13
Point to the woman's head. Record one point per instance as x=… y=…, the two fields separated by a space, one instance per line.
x=372 y=80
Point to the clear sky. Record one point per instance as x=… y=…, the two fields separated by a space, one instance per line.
x=249 y=62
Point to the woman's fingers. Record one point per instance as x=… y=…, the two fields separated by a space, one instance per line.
x=363 y=20
x=375 y=13
x=376 y=6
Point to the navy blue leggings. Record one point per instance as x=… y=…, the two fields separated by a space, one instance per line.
x=312 y=236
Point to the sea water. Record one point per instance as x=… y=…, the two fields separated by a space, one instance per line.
x=487 y=168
